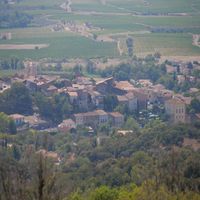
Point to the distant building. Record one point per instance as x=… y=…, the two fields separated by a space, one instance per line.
x=151 y=94
x=176 y=109
x=41 y=83
x=141 y=97
x=97 y=99
x=117 y=119
x=123 y=87
x=18 y=119
x=145 y=82
x=105 y=86
x=66 y=125
x=130 y=100
x=98 y=117
x=73 y=97
x=35 y=122
x=92 y=119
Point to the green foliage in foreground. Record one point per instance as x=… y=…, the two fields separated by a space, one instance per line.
x=149 y=190
x=152 y=159
x=150 y=163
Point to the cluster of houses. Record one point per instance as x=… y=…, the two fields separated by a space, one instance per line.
x=184 y=71
x=87 y=96
x=84 y=29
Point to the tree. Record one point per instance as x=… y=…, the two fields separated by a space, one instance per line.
x=104 y=193
x=110 y=102
x=16 y=152
x=195 y=105
x=75 y=196
x=131 y=124
x=58 y=66
x=54 y=108
x=16 y=100
x=78 y=70
x=90 y=67
x=129 y=43
x=7 y=125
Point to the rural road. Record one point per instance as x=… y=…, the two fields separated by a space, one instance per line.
x=67 y=6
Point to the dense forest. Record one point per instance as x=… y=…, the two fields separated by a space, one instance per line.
x=145 y=164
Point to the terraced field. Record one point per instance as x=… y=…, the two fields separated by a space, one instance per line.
x=155 y=25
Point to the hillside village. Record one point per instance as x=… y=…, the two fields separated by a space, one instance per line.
x=87 y=97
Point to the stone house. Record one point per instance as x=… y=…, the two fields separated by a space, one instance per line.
x=176 y=109
x=123 y=87
x=130 y=100
x=84 y=100
x=93 y=119
x=117 y=119
x=97 y=99
x=73 y=97
x=142 y=98
x=66 y=125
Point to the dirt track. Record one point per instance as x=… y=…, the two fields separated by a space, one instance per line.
x=22 y=46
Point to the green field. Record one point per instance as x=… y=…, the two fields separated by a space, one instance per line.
x=120 y=18
x=166 y=44
x=61 y=45
x=156 y=6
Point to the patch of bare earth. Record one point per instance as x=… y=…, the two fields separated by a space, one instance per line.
x=193 y=143
x=22 y=46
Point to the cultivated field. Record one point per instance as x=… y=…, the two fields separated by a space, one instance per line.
x=155 y=25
